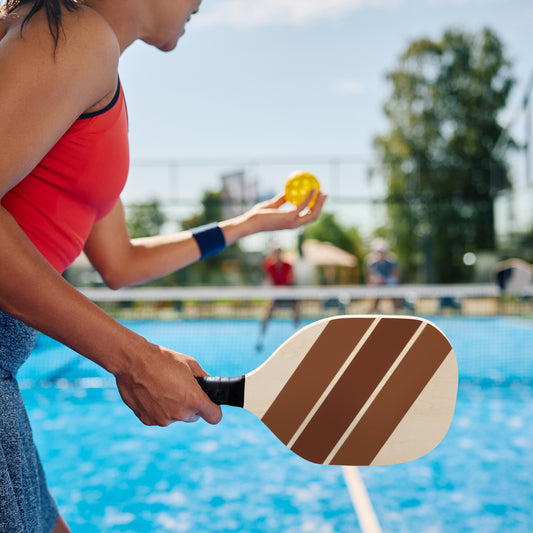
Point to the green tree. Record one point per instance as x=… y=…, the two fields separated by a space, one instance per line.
x=145 y=220
x=211 y=211
x=328 y=229
x=210 y=270
x=438 y=156
x=519 y=245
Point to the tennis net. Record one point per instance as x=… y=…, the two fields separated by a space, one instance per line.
x=222 y=326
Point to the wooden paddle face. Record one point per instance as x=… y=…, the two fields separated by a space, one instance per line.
x=358 y=390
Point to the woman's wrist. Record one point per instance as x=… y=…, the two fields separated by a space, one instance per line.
x=130 y=353
x=210 y=239
x=238 y=227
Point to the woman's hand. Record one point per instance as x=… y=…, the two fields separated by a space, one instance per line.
x=268 y=215
x=272 y=215
x=160 y=388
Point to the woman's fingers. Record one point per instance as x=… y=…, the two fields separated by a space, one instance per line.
x=166 y=391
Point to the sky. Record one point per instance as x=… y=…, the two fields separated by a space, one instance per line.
x=273 y=85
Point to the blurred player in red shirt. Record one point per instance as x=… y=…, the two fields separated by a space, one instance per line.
x=280 y=273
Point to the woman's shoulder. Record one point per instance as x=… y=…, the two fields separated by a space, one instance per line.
x=63 y=80
x=91 y=49
x=83 y=35
x=90 y=27
x=86 y=35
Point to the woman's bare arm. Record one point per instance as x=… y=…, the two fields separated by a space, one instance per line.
x=122 y=262
x=40 y=97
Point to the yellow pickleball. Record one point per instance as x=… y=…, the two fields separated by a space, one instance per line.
x=298 y=185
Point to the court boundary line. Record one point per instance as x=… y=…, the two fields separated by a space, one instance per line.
x=361 y=502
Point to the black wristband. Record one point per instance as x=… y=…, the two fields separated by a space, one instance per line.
x=210 y=239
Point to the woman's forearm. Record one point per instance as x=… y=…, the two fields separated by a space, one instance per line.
x=154 y=257
x=32 y=291
x=156 y=383
x=122 y=262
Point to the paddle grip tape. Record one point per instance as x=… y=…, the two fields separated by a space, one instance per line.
x=224 y=391
x=209 y=239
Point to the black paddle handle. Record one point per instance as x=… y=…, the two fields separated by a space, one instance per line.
x=224 y=391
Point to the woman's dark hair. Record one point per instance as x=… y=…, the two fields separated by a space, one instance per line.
x=53 y=9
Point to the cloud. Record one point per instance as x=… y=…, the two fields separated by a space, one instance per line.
x=253 y=13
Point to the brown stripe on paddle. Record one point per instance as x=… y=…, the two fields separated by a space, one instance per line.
x=354 y=387
x=313 y=375
x=395 y=399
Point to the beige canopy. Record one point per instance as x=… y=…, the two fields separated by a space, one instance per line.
x=335 y=265
x=326 y=254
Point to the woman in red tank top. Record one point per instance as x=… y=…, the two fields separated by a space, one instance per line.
x=63 y=162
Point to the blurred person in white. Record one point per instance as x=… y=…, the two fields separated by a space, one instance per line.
x=382 y=269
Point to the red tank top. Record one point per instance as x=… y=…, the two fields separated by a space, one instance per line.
x=280 y=273
x=76 y=183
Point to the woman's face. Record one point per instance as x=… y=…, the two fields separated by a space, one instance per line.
x=168 y=20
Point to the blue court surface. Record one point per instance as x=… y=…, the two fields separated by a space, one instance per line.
x=110 y=473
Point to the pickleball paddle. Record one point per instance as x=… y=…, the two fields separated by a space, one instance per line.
x=352 y=390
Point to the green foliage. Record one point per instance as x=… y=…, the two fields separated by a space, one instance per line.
x=328 y=229
x=438 y=156
x=209 y=271
x=519 y=245
x=211 y=211
x=145 y=220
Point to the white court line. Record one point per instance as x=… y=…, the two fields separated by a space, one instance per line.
x=361 y=501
